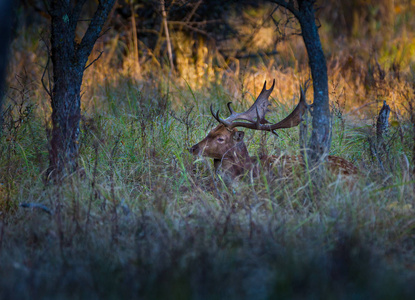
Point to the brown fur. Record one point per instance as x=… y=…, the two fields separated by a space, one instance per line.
x=227 y=148
x=231 y=156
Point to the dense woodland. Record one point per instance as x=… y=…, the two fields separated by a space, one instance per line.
x=102 y=100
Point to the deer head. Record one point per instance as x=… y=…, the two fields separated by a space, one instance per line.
x=220 y=142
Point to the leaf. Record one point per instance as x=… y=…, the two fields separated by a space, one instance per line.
x=394 y=123
x=395 y=206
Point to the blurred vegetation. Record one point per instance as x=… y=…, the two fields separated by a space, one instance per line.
x=143 y=218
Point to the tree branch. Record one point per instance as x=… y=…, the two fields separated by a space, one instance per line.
x=99 y=55
x=57 y=8
x=46 y=70
x=93 y=31
x=288 y=5
x=76 y=12
x=195 y=29
x=48 y=90
x=36 y=205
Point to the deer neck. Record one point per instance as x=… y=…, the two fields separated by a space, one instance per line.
x=235 y=162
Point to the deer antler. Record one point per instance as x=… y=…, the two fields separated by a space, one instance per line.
x=255 y=115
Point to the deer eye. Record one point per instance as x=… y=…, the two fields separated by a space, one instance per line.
x=220 y=140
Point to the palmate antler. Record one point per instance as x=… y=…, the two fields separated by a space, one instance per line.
x=255 y=115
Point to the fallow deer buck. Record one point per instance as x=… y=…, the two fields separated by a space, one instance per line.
x=225 y=143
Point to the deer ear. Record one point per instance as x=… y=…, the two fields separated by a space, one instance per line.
x=238 y=136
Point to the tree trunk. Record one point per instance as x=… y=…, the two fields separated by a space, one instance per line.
x=69 y=59
x=319 y=144
x=66 y=114
x=66 y=102
x=6 y=8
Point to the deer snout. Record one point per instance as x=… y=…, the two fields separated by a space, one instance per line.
x=194 y=150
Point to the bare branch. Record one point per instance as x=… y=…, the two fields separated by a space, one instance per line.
x=191 y=28
x=94 y=30
x=46 y=69
x=194 y=9
x=36 y=205
x=204 y=22
x=43 y=75
x=104 y=32
x=100 y=54
x=288 y=5
x=76 y=12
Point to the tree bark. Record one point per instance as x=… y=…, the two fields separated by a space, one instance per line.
x=319 y=144
x=69 y=59
x=6 y=8
x=67 y=79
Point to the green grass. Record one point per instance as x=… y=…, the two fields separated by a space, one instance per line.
x=145 y=219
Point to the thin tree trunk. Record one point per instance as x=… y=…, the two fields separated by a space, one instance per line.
x=69 y=59
x=319 y=144
x=67 y=78
x=166 y=31
x=6 y=8
x=66 y=114
x=135 y=40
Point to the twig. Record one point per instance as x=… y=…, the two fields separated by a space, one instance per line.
x=194 y=9
x=253 y=55
x=100 y=54
x=204 y=22
x=104 y=32
x=36 y=205
x=194 y=29
x=93 y=186
x=46 y=69
x=360 y=107
x=43 y=75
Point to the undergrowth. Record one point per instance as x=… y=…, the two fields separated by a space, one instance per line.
x=142 y=218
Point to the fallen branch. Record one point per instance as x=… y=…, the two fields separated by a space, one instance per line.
x=36 y=205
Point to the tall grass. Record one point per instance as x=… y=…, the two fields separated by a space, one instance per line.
x=144 y=219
